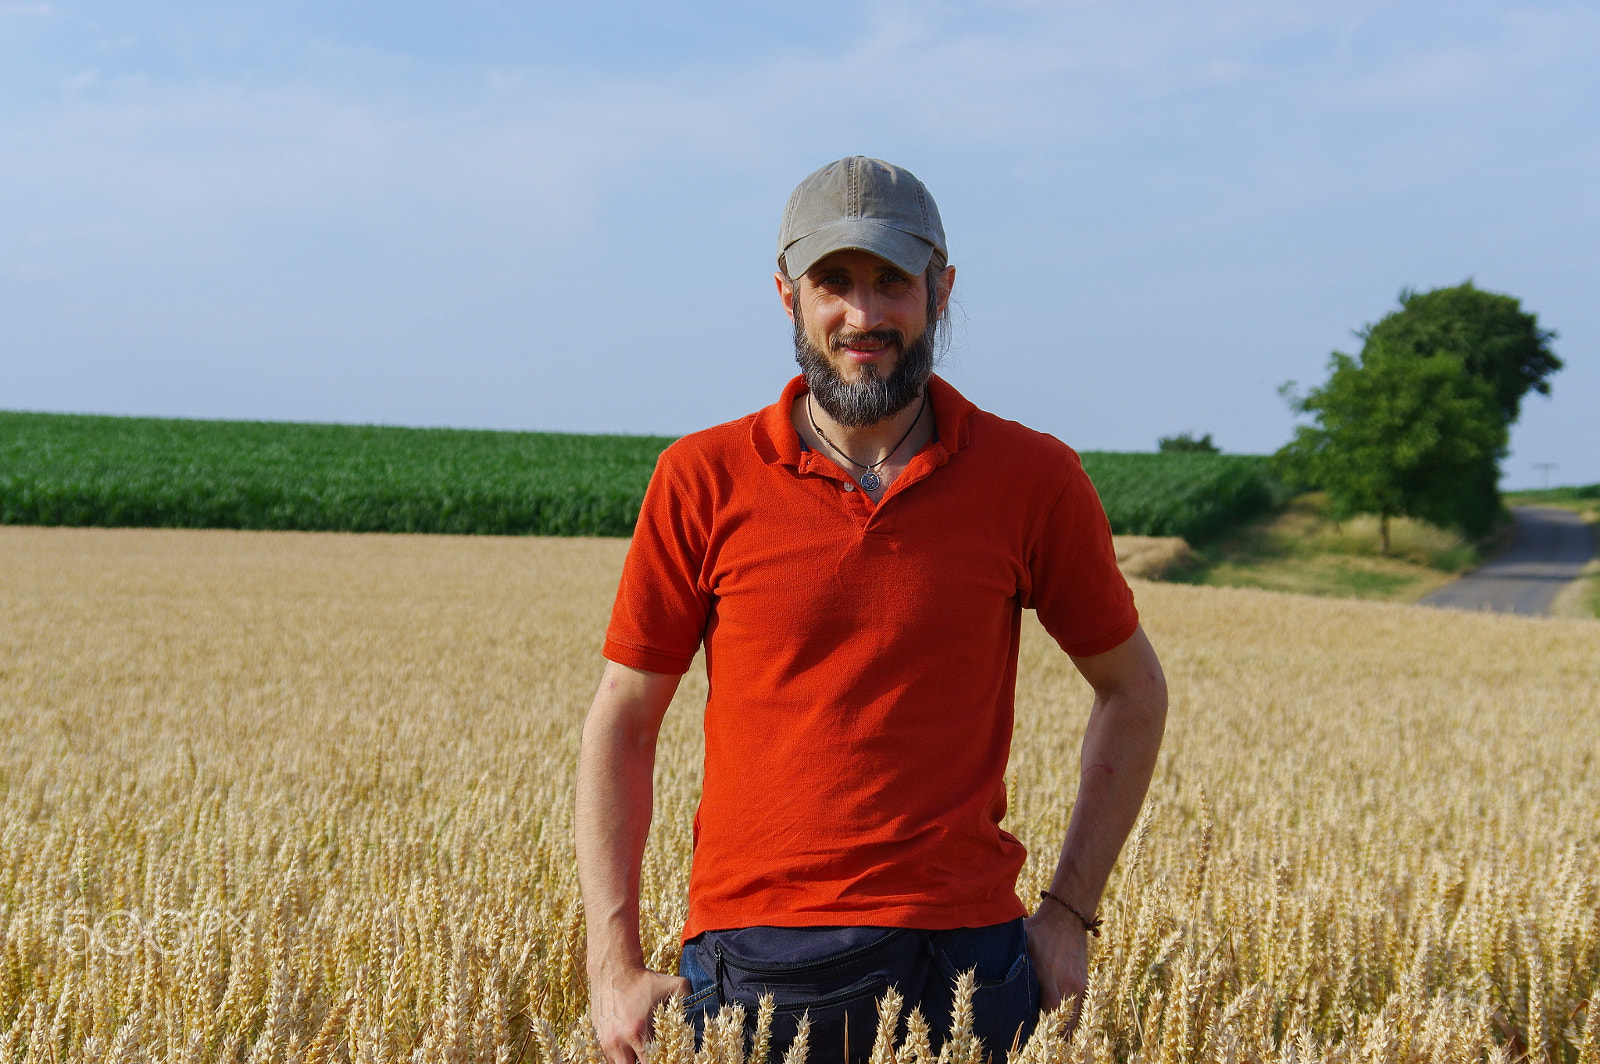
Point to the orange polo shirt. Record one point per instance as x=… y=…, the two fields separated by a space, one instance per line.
x=862 y=658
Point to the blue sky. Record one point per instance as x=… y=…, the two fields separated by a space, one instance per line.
x=562 y=215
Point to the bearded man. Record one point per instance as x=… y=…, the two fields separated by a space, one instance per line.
x=855 y=560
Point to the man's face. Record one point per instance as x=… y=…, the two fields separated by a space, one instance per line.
x=861 y=332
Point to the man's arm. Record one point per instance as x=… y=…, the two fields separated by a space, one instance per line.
x=612 y=820
x=1119 y=755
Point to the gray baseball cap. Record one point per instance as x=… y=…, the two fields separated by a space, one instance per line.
x=862 y=204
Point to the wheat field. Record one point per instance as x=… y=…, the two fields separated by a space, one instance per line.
x=307 y=797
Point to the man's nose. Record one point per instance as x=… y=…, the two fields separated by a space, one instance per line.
x=866 y=310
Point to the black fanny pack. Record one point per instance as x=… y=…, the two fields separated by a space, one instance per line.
x=834 y=975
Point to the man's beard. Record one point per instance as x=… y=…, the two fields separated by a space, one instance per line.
x=871 y=399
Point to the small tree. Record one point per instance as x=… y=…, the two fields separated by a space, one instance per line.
x=1401 y=435
x=1185 y=441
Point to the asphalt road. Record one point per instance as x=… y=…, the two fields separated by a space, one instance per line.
x=1548 y=552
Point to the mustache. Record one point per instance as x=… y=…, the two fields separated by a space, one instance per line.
x=840 y=341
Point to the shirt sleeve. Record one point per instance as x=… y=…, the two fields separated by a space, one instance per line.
x=662 y=607
x=1080 y=595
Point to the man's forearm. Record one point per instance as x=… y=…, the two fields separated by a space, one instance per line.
x=612 y=821
x=1120 y=745
x=612 y=807
x=1119 y=756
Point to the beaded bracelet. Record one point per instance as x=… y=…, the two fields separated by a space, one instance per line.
x=1091 y=926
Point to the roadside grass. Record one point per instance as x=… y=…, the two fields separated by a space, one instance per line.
x=1301 y=549
x=1583 y=599
x=1584 y=499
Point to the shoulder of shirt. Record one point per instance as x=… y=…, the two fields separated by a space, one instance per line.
x=988 y=431
x=709 y=443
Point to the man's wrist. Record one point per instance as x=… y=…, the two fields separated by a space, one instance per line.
x=614 y=960
x=612 y=969
x=1091 y=924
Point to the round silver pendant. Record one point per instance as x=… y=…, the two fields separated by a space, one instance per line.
x=870 y=481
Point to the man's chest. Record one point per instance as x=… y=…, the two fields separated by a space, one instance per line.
x=809 y=553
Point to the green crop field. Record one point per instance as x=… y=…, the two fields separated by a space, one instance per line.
x=1188 y=494
x=69 y=469
x=167 y=473
x=1570 y=494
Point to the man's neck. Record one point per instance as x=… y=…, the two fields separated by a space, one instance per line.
x=853 y=446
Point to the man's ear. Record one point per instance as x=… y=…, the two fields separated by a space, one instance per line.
x=785 y=293
x=947 y=282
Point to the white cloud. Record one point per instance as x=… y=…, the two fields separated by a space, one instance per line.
x=547 y=148
x=81 y=81
x=1509 y=56
x=551 y=143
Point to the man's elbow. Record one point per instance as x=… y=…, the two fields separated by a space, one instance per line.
x=618 y=734
x=1138 y=704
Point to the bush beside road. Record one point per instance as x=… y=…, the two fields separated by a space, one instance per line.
x=1302 y=549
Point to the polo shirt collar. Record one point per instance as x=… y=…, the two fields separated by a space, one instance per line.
x=776 y=441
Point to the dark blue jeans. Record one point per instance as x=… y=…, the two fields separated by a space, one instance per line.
x=836 y=975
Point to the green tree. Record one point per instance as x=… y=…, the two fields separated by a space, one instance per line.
x=1185 y=441
x=1401 y=435
x=1497 y=341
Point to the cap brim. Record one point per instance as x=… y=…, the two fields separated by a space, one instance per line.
x=904 y=250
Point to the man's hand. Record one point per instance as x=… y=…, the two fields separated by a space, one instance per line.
x=1058 y=946
x=621 y=1004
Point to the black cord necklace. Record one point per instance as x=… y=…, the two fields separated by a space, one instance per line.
x=870 y=479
